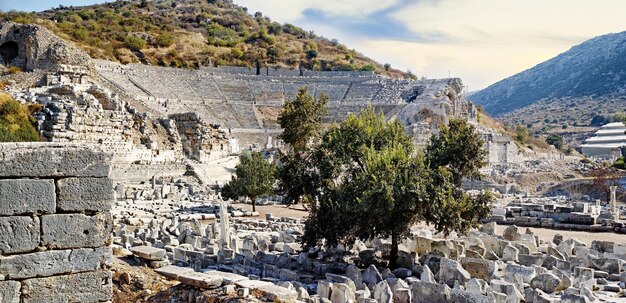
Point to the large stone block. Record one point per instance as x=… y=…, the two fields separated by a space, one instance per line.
x=75 y=230
x=83 y=287
x=53 y=160
x=54 y=262
x=85 y=194
x=10 y=291
x=23 y=196
x=19 y=234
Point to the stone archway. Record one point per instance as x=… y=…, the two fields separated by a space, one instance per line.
x=9 y=51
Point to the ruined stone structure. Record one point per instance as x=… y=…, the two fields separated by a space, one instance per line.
x=502 y=151
x=239 y=99
x=201 y=141
x=55 y=223
x=32 y=47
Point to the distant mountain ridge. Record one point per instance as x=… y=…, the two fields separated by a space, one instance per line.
x=595 y=68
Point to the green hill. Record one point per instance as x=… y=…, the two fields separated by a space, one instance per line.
x=192 y=33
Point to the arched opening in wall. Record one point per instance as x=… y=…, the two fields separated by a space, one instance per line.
x=9 y=51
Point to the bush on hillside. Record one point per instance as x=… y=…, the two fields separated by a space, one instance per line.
x=16 y=125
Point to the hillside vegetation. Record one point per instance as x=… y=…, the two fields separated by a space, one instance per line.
x=193 y=33
x=16 y=124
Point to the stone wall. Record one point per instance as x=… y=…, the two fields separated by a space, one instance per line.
x=55 y=223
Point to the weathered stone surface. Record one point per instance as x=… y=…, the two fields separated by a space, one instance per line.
x=52 y=160
x=228 y=278
x=173 y=272
x=342 y=293
x=479 y=268
x=547 y=282
x=19 y=234
x=468 y=297
x=198 y=279
x=513 y=295
x=451 y=271
x=85 y=194
x=271 y=292
x=75 y=230
x=382 y=292
x=371 y=275
x=24 y=196
x=82 y=287
x=149 y=253
x=55 y=262
x=10 y=291
x=424 y=292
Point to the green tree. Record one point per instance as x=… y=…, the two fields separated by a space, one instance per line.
x=301 y=121
x=254 y=177
x=555 y=140
x=16 y=125
x=459 y=148
x=367 y=168
x=521 y=134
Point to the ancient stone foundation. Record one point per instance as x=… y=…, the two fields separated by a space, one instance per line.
x=55 y=223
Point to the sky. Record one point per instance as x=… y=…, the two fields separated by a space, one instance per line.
x=480 y=41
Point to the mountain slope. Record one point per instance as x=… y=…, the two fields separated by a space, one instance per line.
x=192 y=33
x=595 y=68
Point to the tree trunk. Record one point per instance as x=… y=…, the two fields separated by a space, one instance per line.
x=253 y=203
x=393 y=254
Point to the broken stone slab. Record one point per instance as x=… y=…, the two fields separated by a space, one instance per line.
x=479 y=268
x=172 y=271
x=149 y=253
x=34 y=159
x=62 y=231
x=547 y=282
x=424 y=292
x=457 y=295
x=402 y=295
x=269 y=291
x=342 y=293
x=10 y=291
x=85 y=194
x=55 y=262
x=228 y=278
x=451 y=271
x=382 y=292
x=200 y=280
x=24 y=196
x=82 y=287
x=513 y=295
x=19 y=234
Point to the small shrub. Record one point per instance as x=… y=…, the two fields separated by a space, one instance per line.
x=134 y=43
x=12 y=70
x=164 y=40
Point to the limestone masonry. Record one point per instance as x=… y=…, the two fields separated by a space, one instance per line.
x=55 y=223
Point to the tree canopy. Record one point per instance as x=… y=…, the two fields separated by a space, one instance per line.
x=254 y=177
x=16 y=125
x=301 y=121
x=371 y=182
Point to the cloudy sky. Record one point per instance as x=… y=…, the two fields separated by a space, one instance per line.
x=479 y=41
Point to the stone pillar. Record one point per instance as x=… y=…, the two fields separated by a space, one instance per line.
x=614 y=210
x=55 y=202
x=224 y=228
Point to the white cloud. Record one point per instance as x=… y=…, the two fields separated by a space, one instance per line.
x=483 y=41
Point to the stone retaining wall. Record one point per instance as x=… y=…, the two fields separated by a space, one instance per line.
x=55 y=223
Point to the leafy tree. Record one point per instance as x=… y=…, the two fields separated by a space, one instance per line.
x=301 y=121
x=134 y=43
x=367 y=168
x=521 y=134
x=463 y=160
x=254 y=177
x=16 y=125
x=555 y=140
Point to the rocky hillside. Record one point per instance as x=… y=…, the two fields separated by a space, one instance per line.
x=594 y=69
x=192 y=33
